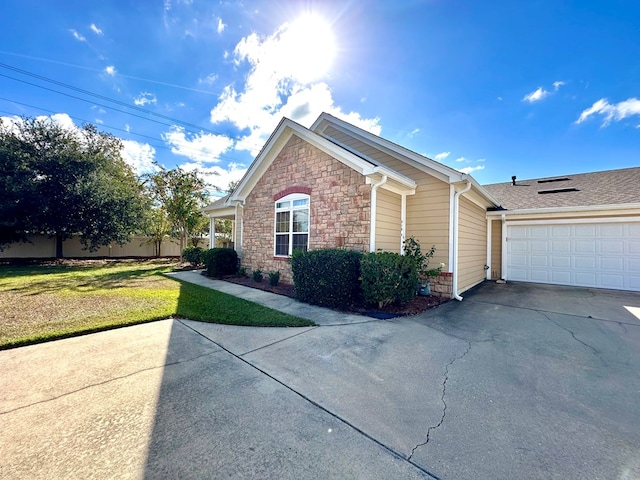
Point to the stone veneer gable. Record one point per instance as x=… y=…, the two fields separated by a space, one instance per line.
x=340 y=205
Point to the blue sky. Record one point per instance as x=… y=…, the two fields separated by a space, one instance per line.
x=499 y=88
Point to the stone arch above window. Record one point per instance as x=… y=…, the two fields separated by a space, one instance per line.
x=290 y=190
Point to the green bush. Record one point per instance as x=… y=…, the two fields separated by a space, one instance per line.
x=274 y=278
x=220 y=261
x=242 y=272
x=193 y=255
x=257 y=275
x=327 y=277
x=388 y=278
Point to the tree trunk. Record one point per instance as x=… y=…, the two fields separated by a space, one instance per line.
x=59 y=241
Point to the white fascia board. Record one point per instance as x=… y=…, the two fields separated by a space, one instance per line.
x=220 y=212
x=278 y=140
x=425 y=164
x=574 y=209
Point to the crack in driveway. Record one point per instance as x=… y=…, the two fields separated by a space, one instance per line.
x=444 y=403
x=573 y=335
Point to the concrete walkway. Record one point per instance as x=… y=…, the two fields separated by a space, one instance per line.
x=319 y=315
x=516 y=381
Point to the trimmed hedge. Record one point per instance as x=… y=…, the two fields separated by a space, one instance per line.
x=327 y=277
x=193 y=255
x=220 y=261
x=388 y=278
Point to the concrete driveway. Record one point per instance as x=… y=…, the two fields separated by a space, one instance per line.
x=517 y=381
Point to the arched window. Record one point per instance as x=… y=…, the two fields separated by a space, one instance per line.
x=292 y=224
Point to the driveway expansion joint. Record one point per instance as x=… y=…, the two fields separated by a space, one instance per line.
x=442 y=399
x=105 y=382
x=339 y=418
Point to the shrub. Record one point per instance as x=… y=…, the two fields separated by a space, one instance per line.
x=220 y=261
x=242 y=272
x=193 y=255
x=257 y=275
x=388 y=278
x=412 y=249
x=327 y=277
x=274 y=278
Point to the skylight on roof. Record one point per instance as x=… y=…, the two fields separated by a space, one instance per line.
x=563 y=179
x=558 y=190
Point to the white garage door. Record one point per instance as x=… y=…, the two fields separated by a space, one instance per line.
x=601 y=255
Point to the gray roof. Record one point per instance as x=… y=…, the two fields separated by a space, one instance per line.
x=611 y=187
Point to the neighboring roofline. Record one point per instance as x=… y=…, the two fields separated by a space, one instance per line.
x=569 y=175
x=571 y=209
x=452 y=175
x=283 y=132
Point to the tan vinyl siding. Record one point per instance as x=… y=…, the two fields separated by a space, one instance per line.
x=496 y=249
x=427 y=210
x=428 y=216
x=388 y=222
x=472 y=242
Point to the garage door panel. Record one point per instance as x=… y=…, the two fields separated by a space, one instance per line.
x=585 y=246
x=604 y=255
x=612 y=246
x=560 y=261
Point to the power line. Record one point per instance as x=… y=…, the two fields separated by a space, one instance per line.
x=102 y=97
x=154 y=145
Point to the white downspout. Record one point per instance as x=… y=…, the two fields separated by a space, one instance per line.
x=212 y=232
x=403 y=221
x=372 y=220
x=489 y=241
x=456 y=211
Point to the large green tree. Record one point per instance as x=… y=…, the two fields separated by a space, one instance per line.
x=183 y=195
x=63 y=182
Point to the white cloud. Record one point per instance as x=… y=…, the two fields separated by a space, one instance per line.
x=139 y=156
x=208 y=80
x=145 y=98
x=462 y=159
x=281 y=83
x=215 y=175
x=202 y=147
x=221 y=26
x=468 y=170
x=611 y=112
x=110 y=70
x=127 y=127
x=557 y=84
x=95 y=29
x=441 y=156
x=77 y=36
x=535 y=96
x=413 y=132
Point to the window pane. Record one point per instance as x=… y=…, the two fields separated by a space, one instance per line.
x=282 y=244
x=300 y=241
x=282 y=205
x=301 y=220
x=282 y=222
x=302 y=201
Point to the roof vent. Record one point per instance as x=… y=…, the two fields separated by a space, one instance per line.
x=558 y=190
x=513 y=180
x=563 y=179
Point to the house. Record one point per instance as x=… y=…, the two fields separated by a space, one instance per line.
x=336 y=185
x=581 y=230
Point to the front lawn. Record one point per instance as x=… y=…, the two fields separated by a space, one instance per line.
x=44 y=302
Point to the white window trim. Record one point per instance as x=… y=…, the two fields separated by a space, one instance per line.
x=291 y=198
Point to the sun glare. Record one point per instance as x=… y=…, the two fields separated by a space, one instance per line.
x=311 y=42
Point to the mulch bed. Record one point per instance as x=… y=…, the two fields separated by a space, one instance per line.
x=418 y=305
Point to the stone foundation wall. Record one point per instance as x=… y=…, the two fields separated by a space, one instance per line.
x=340 y=206
x=442 y=285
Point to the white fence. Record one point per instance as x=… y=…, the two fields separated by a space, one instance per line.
x=41 y=246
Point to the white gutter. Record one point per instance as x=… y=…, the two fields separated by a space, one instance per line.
x=212 y=232
x=574 y=209
x=372 y=221
x=456 y=208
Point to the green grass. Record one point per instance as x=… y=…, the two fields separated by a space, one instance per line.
x=45 y=302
